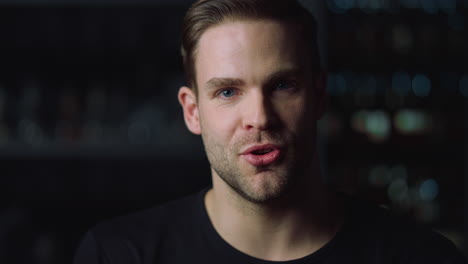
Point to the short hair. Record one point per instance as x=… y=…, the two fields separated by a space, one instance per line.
x=204 y=14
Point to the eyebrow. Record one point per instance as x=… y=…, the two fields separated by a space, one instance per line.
x=214 y=83
x=223 y=82
x=289 y=72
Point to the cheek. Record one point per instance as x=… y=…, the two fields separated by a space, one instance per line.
x=218 y=124
x=293 y=113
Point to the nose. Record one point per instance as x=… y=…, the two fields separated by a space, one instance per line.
x=258 y=112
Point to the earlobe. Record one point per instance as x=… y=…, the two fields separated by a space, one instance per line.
x=188 y=101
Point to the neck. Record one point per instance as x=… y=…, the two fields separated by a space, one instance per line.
x=286 y=229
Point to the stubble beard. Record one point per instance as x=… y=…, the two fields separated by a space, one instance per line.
x=225 y=161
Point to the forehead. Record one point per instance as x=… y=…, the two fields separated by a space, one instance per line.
x=248 y=50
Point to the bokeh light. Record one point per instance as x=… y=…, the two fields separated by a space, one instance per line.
x=30 y=132
x=428 y=190
x=373 y=6
x=378 y=125
x=429 y=6
x=339 y=6
x=447 y=6
x=409 y=121
x=344 y=4
x=375 y=124
x=336 y=84
x=421 y=85
x=398 y=190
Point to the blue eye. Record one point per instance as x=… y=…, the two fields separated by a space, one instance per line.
x=228 y=92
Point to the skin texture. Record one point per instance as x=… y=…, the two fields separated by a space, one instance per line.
x=256 y=86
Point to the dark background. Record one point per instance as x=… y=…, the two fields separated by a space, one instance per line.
x=90 y=127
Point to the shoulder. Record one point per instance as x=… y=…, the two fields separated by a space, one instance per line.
x=395 y=237
x=137 y=236
x=154 y=218
x=142 y=237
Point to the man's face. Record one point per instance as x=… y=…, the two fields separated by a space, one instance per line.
x=257 y=106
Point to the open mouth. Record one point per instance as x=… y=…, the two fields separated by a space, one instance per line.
x=261 y=151
x=262 y=155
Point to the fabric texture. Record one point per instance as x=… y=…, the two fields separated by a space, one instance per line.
x=181 y=232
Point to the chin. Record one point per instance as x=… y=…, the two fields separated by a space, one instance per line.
x=265 y=188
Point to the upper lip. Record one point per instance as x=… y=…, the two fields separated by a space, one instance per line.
x=259 y=147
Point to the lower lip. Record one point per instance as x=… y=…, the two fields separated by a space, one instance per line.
x=263 y=160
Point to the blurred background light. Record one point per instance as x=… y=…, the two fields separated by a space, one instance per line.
x=375 y=124
x=464 y=85
x=448 y=6
x=372 y=6
x=378 y=4
x=429 y=6
x=401 y=83
x=411 y=121
x=421 y=85
x=378 y=126
x=398 y=190
x=336 y=84
x=30 y=132
x=344 y=4
x=362 y=4
x=428 y=190
x=339 y=7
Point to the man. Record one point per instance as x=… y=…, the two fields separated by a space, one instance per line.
x=256 y=92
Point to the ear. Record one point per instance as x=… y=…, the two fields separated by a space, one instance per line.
x=188 y=101
x=321 y=94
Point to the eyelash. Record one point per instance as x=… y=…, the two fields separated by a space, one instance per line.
x=291 y=85
x=220 y=91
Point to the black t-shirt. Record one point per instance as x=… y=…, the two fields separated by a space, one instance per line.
x=181 y=232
